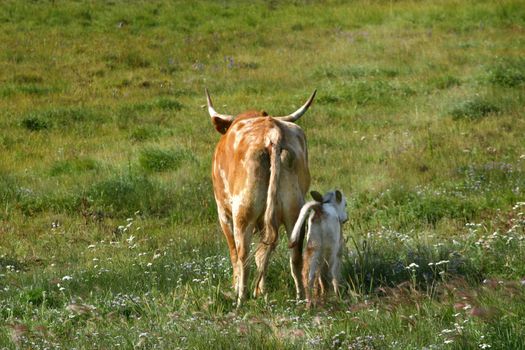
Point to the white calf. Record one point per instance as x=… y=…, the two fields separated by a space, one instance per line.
x=321 y=259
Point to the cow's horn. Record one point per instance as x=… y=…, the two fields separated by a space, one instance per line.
x=213 y=113
x=298 y=113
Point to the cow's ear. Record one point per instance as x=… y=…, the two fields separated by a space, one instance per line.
x=221 y=124
x=317 y=196
x=338 y=196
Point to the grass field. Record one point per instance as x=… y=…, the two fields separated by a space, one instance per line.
x=109 y=236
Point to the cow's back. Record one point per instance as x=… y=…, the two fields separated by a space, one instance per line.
x=241 y=166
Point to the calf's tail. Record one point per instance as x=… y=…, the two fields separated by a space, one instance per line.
x=305 y=210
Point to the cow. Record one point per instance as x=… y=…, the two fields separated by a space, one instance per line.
x=260 y=178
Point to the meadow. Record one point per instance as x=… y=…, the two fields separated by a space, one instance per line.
x=109 y=236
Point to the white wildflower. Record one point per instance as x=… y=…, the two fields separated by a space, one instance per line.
x=412 y=266
x=442 y=262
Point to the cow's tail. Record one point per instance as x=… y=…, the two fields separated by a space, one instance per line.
x=270 y=220
x=296 y=233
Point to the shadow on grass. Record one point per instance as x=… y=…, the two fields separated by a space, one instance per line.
x=374 y=264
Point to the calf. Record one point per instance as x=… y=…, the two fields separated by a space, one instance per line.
x=321 y=259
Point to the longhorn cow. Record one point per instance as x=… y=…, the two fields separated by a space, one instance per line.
x=260 y=178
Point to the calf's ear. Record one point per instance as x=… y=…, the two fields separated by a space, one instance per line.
x=338 y=196
x=317 y=196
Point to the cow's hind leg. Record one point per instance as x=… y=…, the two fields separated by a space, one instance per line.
x=262 y=257
x=227 y=229
x=243 y=236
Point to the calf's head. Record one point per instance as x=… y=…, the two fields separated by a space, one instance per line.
x=335 y=198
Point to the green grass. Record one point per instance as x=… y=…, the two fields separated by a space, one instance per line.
x=109 y=235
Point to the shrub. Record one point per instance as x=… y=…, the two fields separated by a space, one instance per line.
x=508 y=72
x=35 y=123
x=154 y=159
x=473 y=109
